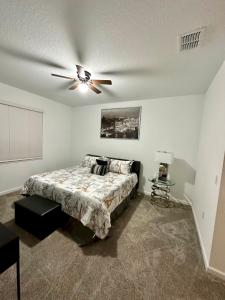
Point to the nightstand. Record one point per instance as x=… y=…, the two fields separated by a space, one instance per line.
x=160 y=192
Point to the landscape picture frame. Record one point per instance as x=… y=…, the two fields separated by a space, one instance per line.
x=121 y=123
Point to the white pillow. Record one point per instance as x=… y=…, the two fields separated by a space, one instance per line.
x=89 y=161
x=120 y=166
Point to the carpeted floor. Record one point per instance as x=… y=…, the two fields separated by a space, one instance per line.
x=152 y=253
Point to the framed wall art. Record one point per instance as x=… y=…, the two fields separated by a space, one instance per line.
x=121 y=123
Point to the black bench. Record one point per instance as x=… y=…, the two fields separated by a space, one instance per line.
x=38 y=215
x=9 y=253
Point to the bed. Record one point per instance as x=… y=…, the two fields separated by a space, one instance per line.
x=92 y=199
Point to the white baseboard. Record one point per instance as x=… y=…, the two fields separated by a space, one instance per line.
x=208 y=268
x=216 y=272
x=188 y=200
x=183 y=201
x=205 y=258
x=10 y=190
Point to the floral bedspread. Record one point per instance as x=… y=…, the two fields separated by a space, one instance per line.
x=87 y=197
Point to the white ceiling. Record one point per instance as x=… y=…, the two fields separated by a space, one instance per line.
x=133 y=43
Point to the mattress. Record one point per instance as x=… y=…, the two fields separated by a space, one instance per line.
x=87 y=197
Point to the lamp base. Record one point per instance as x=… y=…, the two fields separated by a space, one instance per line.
x=163 y=172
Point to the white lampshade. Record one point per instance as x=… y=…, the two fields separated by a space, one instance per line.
x=164 y=157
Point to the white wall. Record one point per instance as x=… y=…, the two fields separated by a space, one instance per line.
x=217 y=260
x=210 y=161
x=56 y=138
x=170 y=124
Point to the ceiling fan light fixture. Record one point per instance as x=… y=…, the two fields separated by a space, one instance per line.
x=83 y=82
x=83 y=88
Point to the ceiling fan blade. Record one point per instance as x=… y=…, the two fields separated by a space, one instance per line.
x=99 y=81
x=74 y=86
x=141 y=71
x=61 y=76
x=94 y=89
x=29 y=57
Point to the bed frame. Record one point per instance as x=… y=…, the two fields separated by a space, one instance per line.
x=115 y=214
x=90 y=236
x=123 y=205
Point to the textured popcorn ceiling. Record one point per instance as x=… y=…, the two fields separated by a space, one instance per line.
x=133 y=43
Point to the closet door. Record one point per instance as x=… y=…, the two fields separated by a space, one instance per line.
x=19 y=133
x=4 y=132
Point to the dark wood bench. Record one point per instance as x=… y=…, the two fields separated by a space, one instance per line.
x=38 y=215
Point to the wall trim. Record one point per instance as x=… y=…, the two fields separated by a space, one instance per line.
x=208 y=268
x=205 y=258
x=216 y=272
x=188 y=200
x=183 y=201
x=10 y=190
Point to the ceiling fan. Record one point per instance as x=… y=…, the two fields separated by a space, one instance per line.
x=84 y=81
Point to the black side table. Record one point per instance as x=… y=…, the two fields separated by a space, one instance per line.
x=9 y=253
x=160 y=192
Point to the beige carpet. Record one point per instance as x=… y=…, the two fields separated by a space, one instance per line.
x=152 y=253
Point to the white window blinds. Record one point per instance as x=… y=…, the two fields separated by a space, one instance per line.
x=20 y=133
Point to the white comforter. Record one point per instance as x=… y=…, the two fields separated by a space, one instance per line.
x=87 y=197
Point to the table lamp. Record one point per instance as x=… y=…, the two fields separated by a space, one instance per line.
x=164 y=159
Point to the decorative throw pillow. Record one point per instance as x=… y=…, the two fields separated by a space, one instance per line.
x=120 y=166
x=89 y=161
x=102 y=162
x=99 y=170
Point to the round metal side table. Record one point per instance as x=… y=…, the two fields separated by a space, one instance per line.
x=160 y=192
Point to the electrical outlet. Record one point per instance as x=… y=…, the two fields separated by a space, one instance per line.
x=203 y=215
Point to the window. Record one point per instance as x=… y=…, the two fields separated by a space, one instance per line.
x=20 y=133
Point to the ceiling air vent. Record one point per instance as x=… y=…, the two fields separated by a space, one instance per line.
x=191 y=39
